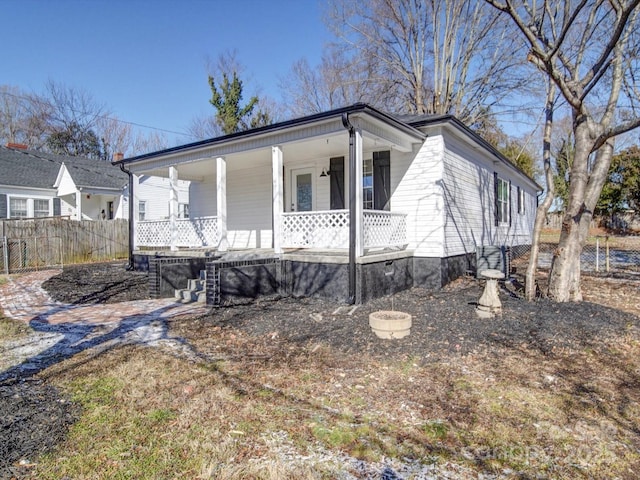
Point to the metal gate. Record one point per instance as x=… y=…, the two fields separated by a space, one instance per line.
x=29 y=254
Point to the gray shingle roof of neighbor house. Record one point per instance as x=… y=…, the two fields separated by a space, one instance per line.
x=28 y=168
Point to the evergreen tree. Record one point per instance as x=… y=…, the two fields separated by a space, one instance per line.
x=226 y=98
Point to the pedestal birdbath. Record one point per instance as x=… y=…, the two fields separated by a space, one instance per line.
x=489 y=303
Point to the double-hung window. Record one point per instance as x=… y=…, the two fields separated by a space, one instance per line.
x=18 y=208
x=41 y=207
x=376 y=181
x=503 y=205
x=142 y=210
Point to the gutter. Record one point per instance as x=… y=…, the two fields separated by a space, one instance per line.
x=351 y=299
x=130 y=265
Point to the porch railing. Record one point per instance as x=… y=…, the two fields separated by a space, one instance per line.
x=384 y=229
x=330 y=229
x=321 y=229
x=189 y=232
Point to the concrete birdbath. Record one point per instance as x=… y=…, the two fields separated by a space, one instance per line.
x=390 y=324
x=489 y=304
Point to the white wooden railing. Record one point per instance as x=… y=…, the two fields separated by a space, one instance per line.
x=189 y=232
x=384 y=229
x=330 y=229
x=320 y=229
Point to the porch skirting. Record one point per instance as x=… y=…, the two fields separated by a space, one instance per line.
x=238 y=278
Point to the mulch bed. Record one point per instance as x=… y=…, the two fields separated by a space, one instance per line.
x=97 y=283
x=35 y=417
x=444 y=323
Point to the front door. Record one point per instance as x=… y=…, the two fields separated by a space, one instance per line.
x=302 y=191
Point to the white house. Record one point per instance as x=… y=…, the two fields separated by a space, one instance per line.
x=37 y=184
x=350 y=200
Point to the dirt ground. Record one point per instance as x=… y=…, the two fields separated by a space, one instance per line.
x=445 y=327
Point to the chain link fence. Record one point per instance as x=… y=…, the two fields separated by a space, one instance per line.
x=29 y=254
x=604 y=255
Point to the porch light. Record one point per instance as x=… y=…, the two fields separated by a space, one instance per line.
x=325 y=173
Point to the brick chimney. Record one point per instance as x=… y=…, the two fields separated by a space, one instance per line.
x=118 y=156
x=17 y=146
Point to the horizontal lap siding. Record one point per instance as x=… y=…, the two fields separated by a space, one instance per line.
x=203 y=197
x=415 y=180
x=249 y=207
x=154 y=191
x=469 y=196
x=468 y=193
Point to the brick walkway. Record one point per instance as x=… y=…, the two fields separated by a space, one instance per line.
x=23 y=298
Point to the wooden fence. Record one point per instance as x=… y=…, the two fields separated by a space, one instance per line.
x=30 y=244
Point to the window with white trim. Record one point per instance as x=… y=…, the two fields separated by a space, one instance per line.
x=503 y=201
x=41 y=207
x=520 y=200
x=367 y=184
x=18 y=207
x=183 y=210
x=142 y=210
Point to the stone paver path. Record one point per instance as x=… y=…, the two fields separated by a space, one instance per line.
x=62 y=330
x=23 y=298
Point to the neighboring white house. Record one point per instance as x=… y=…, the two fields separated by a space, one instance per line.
x=36 y=184
x=425 y=188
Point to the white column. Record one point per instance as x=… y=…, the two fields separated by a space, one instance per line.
x=277 y=193
x=78 y=204
x=358 y=195
x=173 y=206
x=221 y=203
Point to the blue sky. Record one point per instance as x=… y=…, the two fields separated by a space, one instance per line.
x=146 y=59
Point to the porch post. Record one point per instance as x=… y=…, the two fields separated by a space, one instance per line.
x=173 y=206
x=359 y=210
x=78 y=204
x=277 y=196
x=221 y=202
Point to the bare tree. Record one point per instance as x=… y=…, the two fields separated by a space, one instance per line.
x=430 y=56
x=335 y=82
x=589 y=49
x=23 y=117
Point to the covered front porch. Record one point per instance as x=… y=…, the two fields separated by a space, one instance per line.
x=324 y=184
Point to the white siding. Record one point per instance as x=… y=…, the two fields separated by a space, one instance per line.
x=468 y=187
x=154 y=191
x=203 y=197
x=416 y=191
x=249 y=208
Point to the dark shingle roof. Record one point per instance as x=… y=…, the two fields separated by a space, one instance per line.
x=27 y=168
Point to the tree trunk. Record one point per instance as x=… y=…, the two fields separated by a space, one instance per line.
x=564 y=279
x=585 y=188
x=543 y=208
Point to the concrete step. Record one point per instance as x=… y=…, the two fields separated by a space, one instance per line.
x=196 y=284
x=195 y=291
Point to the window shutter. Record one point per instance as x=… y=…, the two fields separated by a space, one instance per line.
x=56 y=207
x=3 y=205
x=381 y=180
x=510 y=202
x=496 y=204
x=336 y=182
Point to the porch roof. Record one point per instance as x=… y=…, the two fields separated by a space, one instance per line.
x=375 y=122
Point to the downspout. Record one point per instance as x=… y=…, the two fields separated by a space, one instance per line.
x=130 y=265
x=351 y=299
